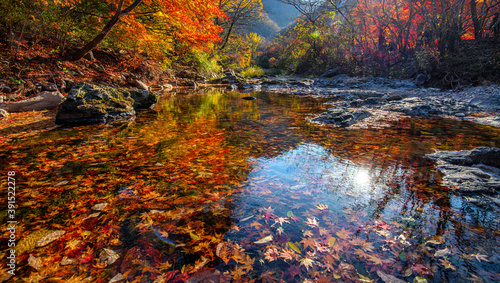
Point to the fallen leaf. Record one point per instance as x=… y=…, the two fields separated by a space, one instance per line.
x=387 y=278
x=35 y=262
x=50 y=238
x=264 y=240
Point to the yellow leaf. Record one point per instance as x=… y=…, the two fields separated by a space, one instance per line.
x=294 y=247
x=194 y=237
x=331 y=241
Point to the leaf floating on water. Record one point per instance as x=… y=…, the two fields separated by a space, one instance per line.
x=294 y=247
x=387 y=278
x=289 y=213
x=50 y=238
x=264 y=240
x=35 y=262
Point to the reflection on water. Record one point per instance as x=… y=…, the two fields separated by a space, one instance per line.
x=311 y=169
x=211 y=186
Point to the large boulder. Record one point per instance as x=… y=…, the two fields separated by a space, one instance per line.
x=46 y=100
x=474 y=172
x=91 y=104
x=342 y=117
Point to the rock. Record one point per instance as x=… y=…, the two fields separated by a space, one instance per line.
x=5 y=89
x=3 y=113
x=429 y=106
x=480 y=155
x=473 y=172
x=139 y=84
x=232 y=87
x=46 y=100
x=341 y=117
x=421 y=79
x=491 y=120
x=330 y=73
x=249 y=98
x=143 y=99
x=90 y=104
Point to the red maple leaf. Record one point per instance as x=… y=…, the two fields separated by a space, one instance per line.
x=420 y=269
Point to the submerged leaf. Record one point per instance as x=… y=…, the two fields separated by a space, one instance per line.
x=264 y=240
x=50 y=238
x=294 y=247
x=387 y=278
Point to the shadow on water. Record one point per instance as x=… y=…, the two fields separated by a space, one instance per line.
x=248 y=190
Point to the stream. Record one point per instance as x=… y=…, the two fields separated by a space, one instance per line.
x=210 y=186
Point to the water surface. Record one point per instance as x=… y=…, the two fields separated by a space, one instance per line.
x=211 y=185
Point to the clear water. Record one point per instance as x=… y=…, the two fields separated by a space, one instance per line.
x=212 y=186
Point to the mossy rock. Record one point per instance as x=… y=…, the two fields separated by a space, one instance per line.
x=91 y=104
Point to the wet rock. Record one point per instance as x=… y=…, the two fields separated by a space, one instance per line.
x=421 y=79
x=480 y=155
x=46 y=100
x=330 y=73
x=342 y=117
x=249 y=98
x=90 y=104
x=367 y=102
x=474 y=172
x=491 y=120
x=429 y=106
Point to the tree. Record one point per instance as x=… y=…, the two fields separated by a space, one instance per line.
x=168 y=23
x=119 y=13
x=240 y=13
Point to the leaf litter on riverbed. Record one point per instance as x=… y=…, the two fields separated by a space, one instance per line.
x=69 y=172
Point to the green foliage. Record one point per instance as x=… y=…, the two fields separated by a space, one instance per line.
x=203 y=63
x=252 y=72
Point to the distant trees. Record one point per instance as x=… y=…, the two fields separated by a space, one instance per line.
x=375 y=35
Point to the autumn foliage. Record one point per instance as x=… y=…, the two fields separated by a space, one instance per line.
x=397 y=37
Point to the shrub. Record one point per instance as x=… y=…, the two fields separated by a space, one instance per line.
x=252 y=71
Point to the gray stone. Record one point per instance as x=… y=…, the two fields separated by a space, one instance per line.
x=342 y=117
x=330 y=73
x=474 y=172
x=421 y=79
x=90 y=104
x=44 y=101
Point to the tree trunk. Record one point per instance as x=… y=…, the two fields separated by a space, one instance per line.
x=478 y=32
x=118 y=14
